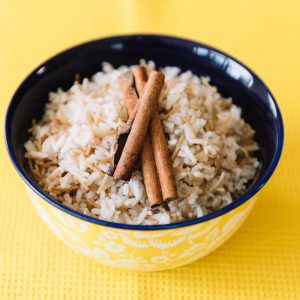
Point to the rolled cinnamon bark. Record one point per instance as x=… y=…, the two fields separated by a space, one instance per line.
x=159 y=144
x=162 y=159
x=138 y=131
x=140 y=78
x=150 y=174
x=151 y=180
x=126 y=83
x=120 y=142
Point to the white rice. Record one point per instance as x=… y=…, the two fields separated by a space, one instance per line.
x=211 y=145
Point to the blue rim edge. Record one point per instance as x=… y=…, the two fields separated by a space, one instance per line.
x=224 y=210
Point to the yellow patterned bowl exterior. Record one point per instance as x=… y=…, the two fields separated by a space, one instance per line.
x=143 y=250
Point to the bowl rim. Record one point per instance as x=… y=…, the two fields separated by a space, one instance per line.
x=179 y=40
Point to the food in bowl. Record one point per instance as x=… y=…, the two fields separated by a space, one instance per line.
x=211 y=147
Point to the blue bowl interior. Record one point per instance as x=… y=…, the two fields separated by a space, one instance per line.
x=231 y=77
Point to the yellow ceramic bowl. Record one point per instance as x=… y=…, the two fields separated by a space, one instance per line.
x=139 y=247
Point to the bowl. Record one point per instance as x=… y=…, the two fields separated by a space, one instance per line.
x=142 y=247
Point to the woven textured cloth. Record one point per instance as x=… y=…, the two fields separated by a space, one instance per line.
x=262 y=260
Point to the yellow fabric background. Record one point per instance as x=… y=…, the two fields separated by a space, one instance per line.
x=262 y=261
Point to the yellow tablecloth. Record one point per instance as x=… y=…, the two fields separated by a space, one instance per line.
x=262 y=261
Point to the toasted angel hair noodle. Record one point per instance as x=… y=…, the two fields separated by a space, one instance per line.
x=177 y=147
x=211 y=147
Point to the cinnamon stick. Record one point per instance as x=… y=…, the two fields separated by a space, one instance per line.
x=140 y=78
x=126 y=83
x=138 y=131
x=120 y=142
x=162 y=159
x=159 y=143
x=150 y=175
x=151 y=180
